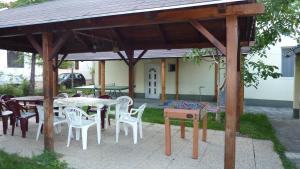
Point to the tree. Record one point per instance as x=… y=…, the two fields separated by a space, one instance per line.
x=281 y=18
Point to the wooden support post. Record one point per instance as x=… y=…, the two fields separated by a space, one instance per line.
x=195 y=138
x=55 y=78
x=240 y=83
x=231 y=91
x=102 y=81
x=167 y=136
x=182 y=129
x=130 y=56
x=99 y=76
x=163 y=80
x=216 y=81
x=48 y=91
x=204 y=127
x=177 y=79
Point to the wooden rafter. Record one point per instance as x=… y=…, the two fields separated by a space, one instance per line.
x=209 y=36
x=162 y=33
x=83 y=42
x=123 y=57
x=35 y=44
x=118 y=37
x=139 y=57
x=94 y=36
x=60 y=43
x=61 y=61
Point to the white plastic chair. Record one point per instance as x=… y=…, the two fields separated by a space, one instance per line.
x=62 y=95
x=57 y=121
x=78 y=119
x=122 y=107
x=135 y=122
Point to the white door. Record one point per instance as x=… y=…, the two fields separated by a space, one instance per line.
x=152 y=81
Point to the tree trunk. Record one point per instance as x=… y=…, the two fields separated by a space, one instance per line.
x=32 y=74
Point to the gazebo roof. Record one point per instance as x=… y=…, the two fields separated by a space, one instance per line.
x=67 y=10
x=101 y=25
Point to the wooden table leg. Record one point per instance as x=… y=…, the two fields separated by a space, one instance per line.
x=168 y=136
x=195 y=139
x=23 y=126
x=204 y=128
x=182 y=129
x=5 y=123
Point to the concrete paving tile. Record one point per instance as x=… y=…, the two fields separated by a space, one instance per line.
x=148 y=153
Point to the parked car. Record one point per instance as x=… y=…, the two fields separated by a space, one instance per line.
x=66 y=79
x=10 y=79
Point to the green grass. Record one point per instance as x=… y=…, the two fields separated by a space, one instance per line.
x=46 y=160
x=255 y=126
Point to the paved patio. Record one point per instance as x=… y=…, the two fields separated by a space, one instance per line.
x=148 y=152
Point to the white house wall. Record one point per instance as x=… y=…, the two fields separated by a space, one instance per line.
x=280 y=89
x=84 y=68
x=192 y=76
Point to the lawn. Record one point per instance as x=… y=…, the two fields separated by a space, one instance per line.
x=251 y=125
x=44 y=161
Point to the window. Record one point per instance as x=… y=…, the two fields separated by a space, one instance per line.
x=172 y=67
x=13 y=60
x=287 y=62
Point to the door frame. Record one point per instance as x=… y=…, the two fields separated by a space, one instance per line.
x=158 y=82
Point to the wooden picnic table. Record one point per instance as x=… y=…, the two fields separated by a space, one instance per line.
x=26 y=99
x=182 y=115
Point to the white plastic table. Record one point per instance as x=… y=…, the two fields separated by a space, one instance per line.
x=84 y=101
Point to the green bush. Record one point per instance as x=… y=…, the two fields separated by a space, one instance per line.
x=11 y=90
x=25 y=87
x=15 y=90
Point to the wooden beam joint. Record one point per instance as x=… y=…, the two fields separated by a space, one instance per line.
x=210 y=37
x=35 y=44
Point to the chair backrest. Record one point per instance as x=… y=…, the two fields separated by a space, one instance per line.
x=105 y=97
x=15 y=107
x=122 y=105
x=140 y=111
x=77 y=95
x=40 y=110
x=63 y=95
x=6 y=97
x=74 y=115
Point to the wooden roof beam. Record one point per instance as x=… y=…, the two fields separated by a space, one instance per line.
x=60 y=43
x=119 y=38
x=139 y=57
x=167 y=16
x=35 y=44
x=162 y=33
x=212 y=39
x=80 y=40
x=60 y=62
x=123 y=58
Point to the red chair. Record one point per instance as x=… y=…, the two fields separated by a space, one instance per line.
x=91 y=109
x=19 y=113
x=77 y=95
x=4 y=114
x=4 y=98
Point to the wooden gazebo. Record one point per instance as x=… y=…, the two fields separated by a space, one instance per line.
x=76 y=26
